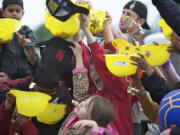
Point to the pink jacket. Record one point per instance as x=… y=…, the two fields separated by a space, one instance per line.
x=111 y=130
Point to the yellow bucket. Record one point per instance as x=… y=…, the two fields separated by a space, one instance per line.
x=62 y=29
x=120 y=65
x=166 y=29
x=30 y=103
x=7 y=28
x=52 y=114
x=97 y=20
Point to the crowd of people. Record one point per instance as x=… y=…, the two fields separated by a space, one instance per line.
x=104 y=105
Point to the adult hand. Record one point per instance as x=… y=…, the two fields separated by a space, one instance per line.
x=142 y=63
x=175 y=48
x=4 y=77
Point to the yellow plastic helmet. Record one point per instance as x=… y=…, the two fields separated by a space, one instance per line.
x=120 y=65
x=52 y=114
x=166 y=29
x=7 y=28
x=150 y=51
x=30 y=103
x=62 y=29
x=156 y=54
x=123 y=46
x=97 y=20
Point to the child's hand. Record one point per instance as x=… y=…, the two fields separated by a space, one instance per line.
x=77 y=50
x=142 y=63
x=30 y=54
x=22 y=39
x=18 y=120
x=84 y=21
x=108 y=19
x=4 y=77
x=21 y=119
x=84 y=2
x=87 y=124
x=10 y=101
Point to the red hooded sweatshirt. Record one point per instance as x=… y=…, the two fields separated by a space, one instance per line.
x=115 y=88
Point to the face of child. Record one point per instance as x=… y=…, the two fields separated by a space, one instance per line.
x=83 y=110
x=13 y=11
x=95 y=78
x=123 y=25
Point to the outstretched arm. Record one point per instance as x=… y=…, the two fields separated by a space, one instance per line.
x=80 y=78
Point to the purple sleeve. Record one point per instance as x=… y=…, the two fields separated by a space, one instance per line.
x=171 y=75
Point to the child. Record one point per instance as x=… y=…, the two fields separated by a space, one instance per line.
x=104 y=83
x=14 y=63
x=13 y=123
x=92 y=116
x=45 y=83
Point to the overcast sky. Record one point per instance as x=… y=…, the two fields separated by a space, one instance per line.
x=34 y=10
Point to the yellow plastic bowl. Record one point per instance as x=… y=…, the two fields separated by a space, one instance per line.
x=158 y=53
x=97 y=20
x=7 y=28
x=120 y=65
x=30 y=103
x=52 y=114
x=62 y=29
x=166 y=29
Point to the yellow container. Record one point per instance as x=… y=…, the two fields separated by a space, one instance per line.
x=30 y=103
x=158 y=54
x=124 y=46
x=97 y=20
x=52 y=114
x=120 y=65
x=166 y=29
x=7 y=28
x=62 y=29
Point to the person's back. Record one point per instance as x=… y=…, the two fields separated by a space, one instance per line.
x=14 y=62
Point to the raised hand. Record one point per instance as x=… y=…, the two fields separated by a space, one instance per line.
x=175 y=48
x=10 y=101
x=142 y=63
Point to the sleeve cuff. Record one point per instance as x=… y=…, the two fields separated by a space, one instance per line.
x=166 y=65
x=77 y=70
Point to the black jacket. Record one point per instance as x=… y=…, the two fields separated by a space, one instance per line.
x=156 y=86
x=170 y=11
x=13 y=59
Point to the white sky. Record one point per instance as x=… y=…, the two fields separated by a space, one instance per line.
x=34 y=10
